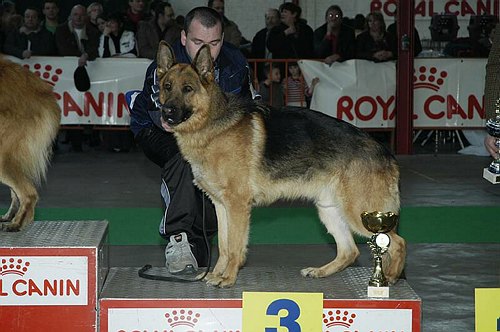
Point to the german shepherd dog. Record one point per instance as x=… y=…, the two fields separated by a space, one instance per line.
x=29 y=122
x=243 y=154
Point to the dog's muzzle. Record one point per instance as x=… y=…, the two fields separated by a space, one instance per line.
x=167 y=114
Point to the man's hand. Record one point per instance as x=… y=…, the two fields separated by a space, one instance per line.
x=82 y=60
x=332 y=58
x=489 y=144
x=26 y=54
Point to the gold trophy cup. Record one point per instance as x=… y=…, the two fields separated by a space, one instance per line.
x=492 y=172
x=379 y=223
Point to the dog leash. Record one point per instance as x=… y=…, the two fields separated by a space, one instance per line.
x=143 y=271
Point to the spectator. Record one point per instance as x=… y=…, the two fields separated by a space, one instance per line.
x=135 y=13
x=51 y=12
x=232 y=33
x=93 y=11
x=161 y=26
x=115 y=41
x=334 y=41
x=293 y=38
x=182 y=223
x=394 y=39
x=10 y=19
x=101 y=23
x=259 y=48
x=373 y=44
x=271 y=89
x=30 y=39
x=359 y=24
x=296 y=89
x=77 y=37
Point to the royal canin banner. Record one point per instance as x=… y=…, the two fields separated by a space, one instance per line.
x=447 y=92
x=43 y=280
x=104 y=103
x=222 y=316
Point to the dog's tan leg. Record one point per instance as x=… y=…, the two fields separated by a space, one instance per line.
x=215 y=277
x=393 y=261
x=14 y=206
x=233 y=247
x=347 y=251
x=28 y=197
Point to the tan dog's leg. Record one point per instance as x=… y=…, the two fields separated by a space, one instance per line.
x=28 y=197
x=14 y=206
x=347 y=251
x=233 y=241
x=393 y=261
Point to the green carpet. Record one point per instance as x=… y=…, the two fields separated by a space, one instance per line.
x=139 y=226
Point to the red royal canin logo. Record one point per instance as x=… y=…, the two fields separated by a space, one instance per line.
x=13 y=266
x=338 y=318
x=182 y=317
x=428 y=78
x=47 y=73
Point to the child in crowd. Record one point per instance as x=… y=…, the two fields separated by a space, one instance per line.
x=296 y=90
x=270 y=88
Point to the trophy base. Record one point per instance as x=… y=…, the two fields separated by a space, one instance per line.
x=382 y=292
x=490 y=176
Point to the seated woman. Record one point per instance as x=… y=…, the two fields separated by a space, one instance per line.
x=115 y=41
x=374 y=43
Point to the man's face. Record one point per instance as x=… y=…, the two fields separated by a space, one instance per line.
x=78 y=17
x=31 y=19
x=50 y=10
x=199 y=35
x=136 y=6
x=168 y=15
x=218 y=6
x=272 y=18
x=334 y=17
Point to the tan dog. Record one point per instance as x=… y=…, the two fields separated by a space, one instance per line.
x=243 y=154
x=29 y=121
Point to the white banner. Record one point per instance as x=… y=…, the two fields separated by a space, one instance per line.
x=447 y=92
x=104 y=103
x=230 y=319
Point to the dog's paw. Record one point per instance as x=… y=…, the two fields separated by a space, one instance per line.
x=9 y=227
x=219 y=281
x=312 y=272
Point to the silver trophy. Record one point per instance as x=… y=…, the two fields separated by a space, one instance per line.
x=492 y=172
x=379 y=223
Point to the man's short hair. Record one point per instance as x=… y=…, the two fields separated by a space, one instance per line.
x=208 y=17
x=291 y=7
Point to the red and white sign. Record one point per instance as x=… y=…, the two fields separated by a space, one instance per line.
x=48 y=289
x=49 y=280
x=226 y=315
x=104 y=103
x=447 y=92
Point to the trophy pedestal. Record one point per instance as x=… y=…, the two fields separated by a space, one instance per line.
x=382 y=292
x=490 y=176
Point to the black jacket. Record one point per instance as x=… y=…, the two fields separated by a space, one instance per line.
x=295 y=46
x=346 y=44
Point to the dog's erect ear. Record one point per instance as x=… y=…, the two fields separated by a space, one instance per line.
x=203 y=61
x=165 y=58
